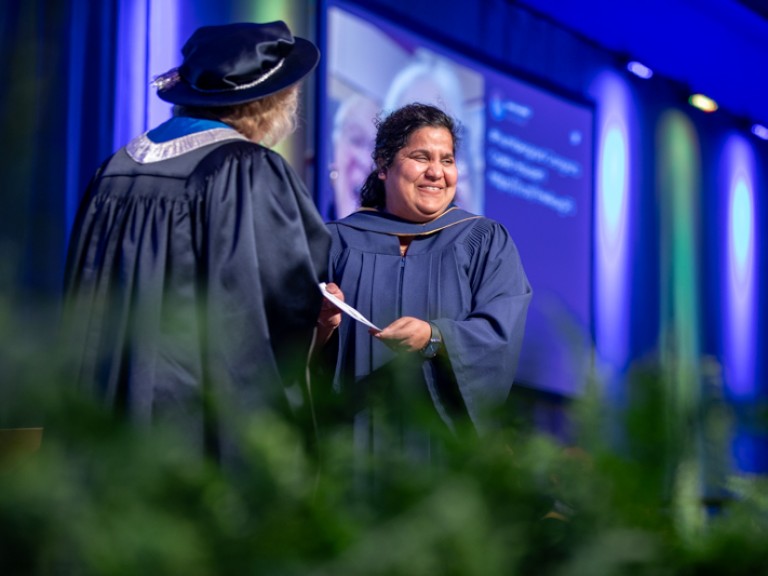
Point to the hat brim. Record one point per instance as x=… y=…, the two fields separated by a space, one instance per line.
x=301 y=61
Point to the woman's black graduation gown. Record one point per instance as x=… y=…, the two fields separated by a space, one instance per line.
x=191 y=282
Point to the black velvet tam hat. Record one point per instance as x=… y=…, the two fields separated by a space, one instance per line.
x=237 y=63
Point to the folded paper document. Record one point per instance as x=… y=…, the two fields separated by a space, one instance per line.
x=346 y=308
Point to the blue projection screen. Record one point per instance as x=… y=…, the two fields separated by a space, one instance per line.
x=525 y=159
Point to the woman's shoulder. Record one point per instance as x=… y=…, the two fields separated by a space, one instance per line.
x=246 y=158
x=484 y=234
x=480 y=224
x=471 y=223
x=234 y=151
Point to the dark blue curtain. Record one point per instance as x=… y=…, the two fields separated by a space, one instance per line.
x=55 y=121
x=56 y=108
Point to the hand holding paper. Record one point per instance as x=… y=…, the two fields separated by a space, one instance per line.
x=346 y=308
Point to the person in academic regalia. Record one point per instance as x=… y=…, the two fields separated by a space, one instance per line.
x=191 y=280
x=445 y=287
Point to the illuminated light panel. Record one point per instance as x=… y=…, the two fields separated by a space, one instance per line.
x=703 y=103
x=147 y=45
x=289 y=12
x=640 y=70
x=741 y=227
x=164 y=52
x=612 y=220
x=739 y=291
x=131 y=80
x=760 y=131
x=679 y=169
x=613 y=170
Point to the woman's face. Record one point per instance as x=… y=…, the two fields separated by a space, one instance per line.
x=421 y=182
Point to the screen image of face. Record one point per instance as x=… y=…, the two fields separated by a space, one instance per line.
x=354 y=133
x=524 y=158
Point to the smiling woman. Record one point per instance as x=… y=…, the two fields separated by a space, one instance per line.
x=446 y=285
x=421 y=182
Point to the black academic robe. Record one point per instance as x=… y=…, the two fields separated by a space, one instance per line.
x=463 y=273
x=191 y=284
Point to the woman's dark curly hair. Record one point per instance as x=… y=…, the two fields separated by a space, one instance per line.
x=392 y=135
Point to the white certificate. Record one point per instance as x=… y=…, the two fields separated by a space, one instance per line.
x=346 y=308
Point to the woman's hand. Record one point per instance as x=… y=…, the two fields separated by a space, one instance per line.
x=406 y=334
x=330 y=316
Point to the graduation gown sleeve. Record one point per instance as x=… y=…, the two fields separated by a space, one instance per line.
x=483 y=347
x=266 y=254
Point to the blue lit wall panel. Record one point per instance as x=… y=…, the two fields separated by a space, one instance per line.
x=739 y=268
x=613 y=221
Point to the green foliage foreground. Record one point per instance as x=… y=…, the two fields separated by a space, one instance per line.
x=102 y=497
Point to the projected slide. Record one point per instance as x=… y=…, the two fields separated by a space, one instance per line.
x=525 y=159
